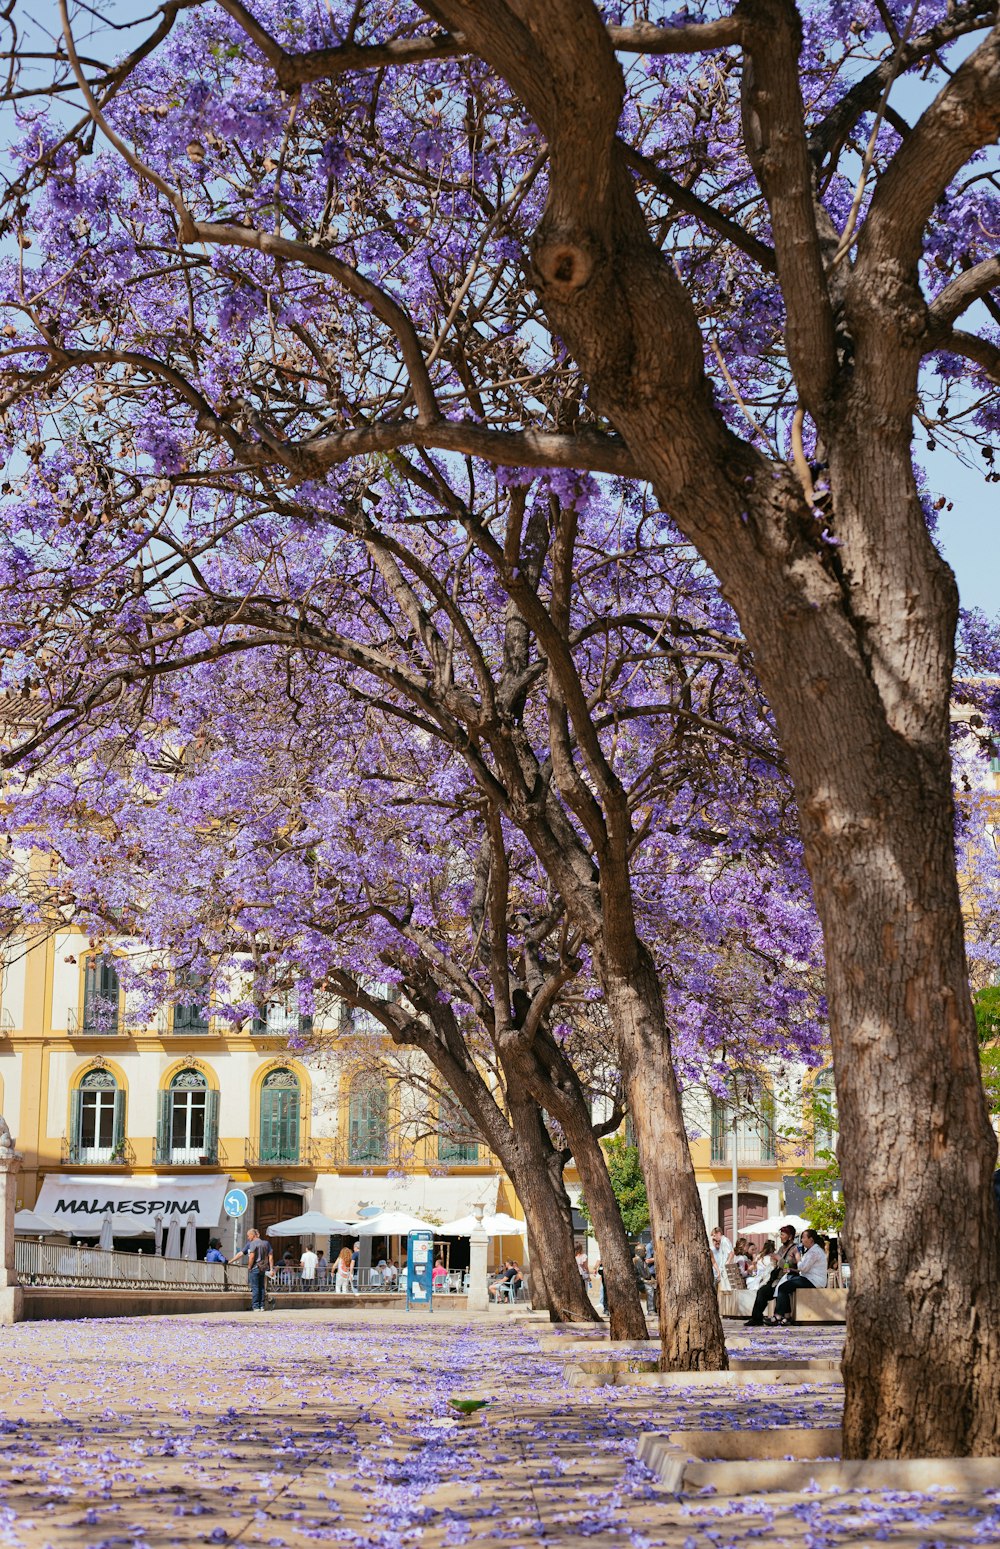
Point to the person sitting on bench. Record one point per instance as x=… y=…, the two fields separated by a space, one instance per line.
x=810 y=1275
x=785 y=1260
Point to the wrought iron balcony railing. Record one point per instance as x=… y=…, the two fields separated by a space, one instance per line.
x=759 y=1149
x=81 y=1024
x=261 y=1153
x=338 y=1151
x=77 y=1154
x=210 y=1154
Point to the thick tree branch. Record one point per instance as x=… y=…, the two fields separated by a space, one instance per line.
x=984 y=354
x=774 y=135
x=964 y=117
x=318 y=64
x=971 y=286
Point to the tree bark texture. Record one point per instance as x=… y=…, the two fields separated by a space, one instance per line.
x=536 y=1173
x=691 y=1333
x=543 y=1071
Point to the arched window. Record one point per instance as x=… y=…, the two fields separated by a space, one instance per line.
x=457 y=1140
x=97 y=1120
x=279 y=1116
x=101 y=989
x=824 y=1110
x=188 y=1129
x=368 y=1120
x=750 y=1119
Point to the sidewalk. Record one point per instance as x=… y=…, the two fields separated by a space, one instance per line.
x=292 y=1430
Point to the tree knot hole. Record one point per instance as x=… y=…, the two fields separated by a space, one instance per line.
x=564 y=266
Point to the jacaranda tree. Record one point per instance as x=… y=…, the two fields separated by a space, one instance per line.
x=728 y=257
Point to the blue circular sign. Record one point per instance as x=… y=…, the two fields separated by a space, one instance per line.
x=235 y=1202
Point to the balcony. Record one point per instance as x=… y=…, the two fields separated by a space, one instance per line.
x=212 y=1154
x=458 y=1153
x=261 y=1154
x=75 y=1154
x=102 y=1025
x=6 y=1025
x=170 y=1025
x=336 y=1151
x=751 y=1148
x=280 y=1022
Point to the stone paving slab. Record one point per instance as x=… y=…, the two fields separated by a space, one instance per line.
x=291 y=1430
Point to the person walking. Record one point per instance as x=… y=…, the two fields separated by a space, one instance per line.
x=810 y=1274
x=785 y=1261
x=260 y=1263
x=343 y=1280
x=642 y=1275
x=309 y=1265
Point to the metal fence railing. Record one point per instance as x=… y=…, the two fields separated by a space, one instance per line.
x=50 y=1264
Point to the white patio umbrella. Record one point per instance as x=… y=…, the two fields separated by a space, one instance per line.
x=27 y=1224
x=774 y=1224
x=313 y=1224
x=189 y=1245
x=500 y=1225
x=106 y=1241
x=158 y=1236
x=172 y=1246
x=391 y=1223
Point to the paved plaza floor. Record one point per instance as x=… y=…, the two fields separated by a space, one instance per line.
x=289 y=1430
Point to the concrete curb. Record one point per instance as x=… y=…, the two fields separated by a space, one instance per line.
x=731 y=1472
x=631 y=1373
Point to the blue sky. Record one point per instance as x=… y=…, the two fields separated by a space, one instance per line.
x=968 y=534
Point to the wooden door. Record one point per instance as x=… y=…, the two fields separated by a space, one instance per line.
x=268 y=1210
x=752 y=1207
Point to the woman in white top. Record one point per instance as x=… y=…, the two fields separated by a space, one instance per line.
x=763 y=1265
x=810 y=1274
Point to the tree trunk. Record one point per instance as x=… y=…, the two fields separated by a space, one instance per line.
x=916 y=1149
x=691 y=1333
x=540 y=1064
x=536 y=1174
x=626 y=1312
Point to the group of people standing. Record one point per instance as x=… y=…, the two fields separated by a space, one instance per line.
x=775 y=1272
x=313 y=1267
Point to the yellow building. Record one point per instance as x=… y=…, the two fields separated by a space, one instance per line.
x=163 y=1118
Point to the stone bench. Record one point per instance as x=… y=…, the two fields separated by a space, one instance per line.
x=829 y=1306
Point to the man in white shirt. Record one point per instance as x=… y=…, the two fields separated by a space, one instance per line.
x=309 y=1263
x=810 y=1273
x=722 y=1252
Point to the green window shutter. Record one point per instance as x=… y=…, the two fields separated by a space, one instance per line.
x=305 y=1025
x=89 y=992
x=74 y=1125
x=212 y=1124
x=108 y=980
x=119 y=1125
x=721 y=1131
x=268 y=1123
x=163 y=1121
x=279 y=1122
x=291 y=1137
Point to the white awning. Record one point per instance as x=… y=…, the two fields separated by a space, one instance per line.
x=432 y=1199
x=78 y=1205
